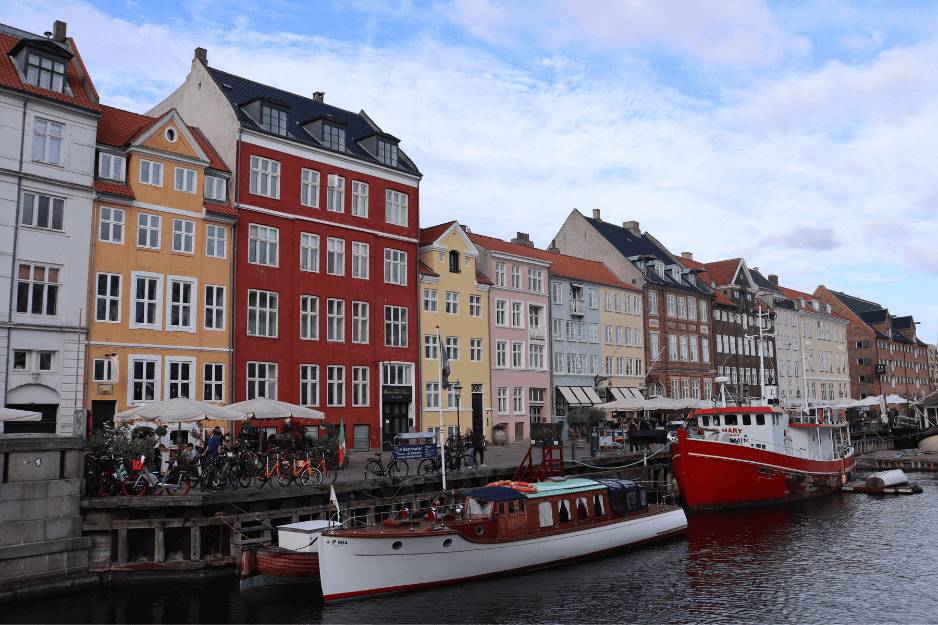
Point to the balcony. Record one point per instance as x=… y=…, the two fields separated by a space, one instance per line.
x=577 y=307
x=537 y=333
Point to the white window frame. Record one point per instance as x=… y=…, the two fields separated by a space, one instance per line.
x=335 y=320
x=309 y=318
x=475 y=305
x=193 y=306
x=431 y=347
x=501 y=313
x=214 y=310
x=44 y=138
x=111 y=166
x=475 y=350
x=361 y=391
x=395 y=317
x=157 y=361
x=269 y=313
x=183 y=240
x=269 y=379
x=309 y=384
x=556 y=292
x=452 y=348
x=185 y=180
x=107 y=297
x=518 y=399
x=517 y=315
x=516 y=277
x=263 y=241
x=157 y=303
x=335 y=193
x=360 y=317
x=396 y=208
x=108 y=224
x=309 y=252
x=431 y=300
x=265 y=177
x=216 y=241
x=192 y=380
x=361 y=257
x=215 y=189
x=335 y=256
x=335 y=386
x=154 y=223
x=452 y=303
x=535 y=356
x=501 y=354
x=309 y=188
x=153 y=176
x=107 y=370
x=535 y=280
x=432 y=395
x=359 y=199
x=517 y=354
x=500 y=274
x=503 y=400
x=395 y=266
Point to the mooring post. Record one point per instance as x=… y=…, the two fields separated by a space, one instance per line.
x=195 y=552
x=159 y=545
x=122 y=547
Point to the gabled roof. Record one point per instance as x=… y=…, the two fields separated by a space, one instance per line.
x=855 y=304
x=425 y=270
x=429 y=236
x=10 y=38
x=902 y=323
x=874 y=316
x=724 y=272
x=761 y=281
x=792 y=294
x=630 y=245
x=898 y=338
x=301 y=110
x=719 y=298
x=561 y=265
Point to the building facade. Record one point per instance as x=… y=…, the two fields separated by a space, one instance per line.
x=454 y=316
x=932 y=353
x=519 y=317
x=326 y=307
x=161 y=268
x=50 y=113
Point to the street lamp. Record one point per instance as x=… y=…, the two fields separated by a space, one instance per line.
x=457 y=390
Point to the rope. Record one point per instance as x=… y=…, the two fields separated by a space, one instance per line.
x=236 y=531
x=624 y=466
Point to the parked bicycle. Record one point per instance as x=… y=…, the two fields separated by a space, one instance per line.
x=175 y=481
x=272 y=465
x=375 y=467
x=324 y=472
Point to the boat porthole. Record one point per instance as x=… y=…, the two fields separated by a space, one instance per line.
x=479 y=530
x=396 y=545
x=447 y=542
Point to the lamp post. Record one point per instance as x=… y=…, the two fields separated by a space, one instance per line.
x=457 y=390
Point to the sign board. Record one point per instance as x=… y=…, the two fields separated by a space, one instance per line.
x=415 y=452
x=611 y=438
x=105 y=389
x=396 y=393
x=880 y=369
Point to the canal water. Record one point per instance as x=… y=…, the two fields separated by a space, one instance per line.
x=844 y=558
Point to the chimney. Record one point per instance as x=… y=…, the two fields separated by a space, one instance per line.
x=596 y=215
x=632 y=226
x=688 y=255
x=201 y=55
x=773 y=279
x=58 y=31
x=553 y=249
x=523 y=239
x=319 y=96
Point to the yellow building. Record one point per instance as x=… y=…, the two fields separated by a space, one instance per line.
x=623 y=341
x=161 y=267
x=454 y=300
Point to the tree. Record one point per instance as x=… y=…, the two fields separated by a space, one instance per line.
x=582 y=418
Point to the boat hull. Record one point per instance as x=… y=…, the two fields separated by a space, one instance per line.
x=355 y=566
x=714 y=475
x=275 y=567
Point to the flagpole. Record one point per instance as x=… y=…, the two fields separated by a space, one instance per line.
x=439 y=369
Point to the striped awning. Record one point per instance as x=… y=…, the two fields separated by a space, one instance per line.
x=624 y=392
x=580 y=395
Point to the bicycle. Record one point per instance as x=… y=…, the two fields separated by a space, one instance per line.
x=175 y=482
x=375 y=467
x=322 y=472
x=272 y=465
x=298 y=471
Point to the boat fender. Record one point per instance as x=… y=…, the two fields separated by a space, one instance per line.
x=843 y=478
x=479 y=530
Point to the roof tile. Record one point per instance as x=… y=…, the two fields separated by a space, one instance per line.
x=10 y=77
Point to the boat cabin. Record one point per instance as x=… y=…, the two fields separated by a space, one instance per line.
x=501 y=512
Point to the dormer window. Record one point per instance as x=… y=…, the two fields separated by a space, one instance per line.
x=333 y=137
x=274 y=120
x=111 y=167
x=659 y=266
x=45 y=73
x=215 y=188
x=387 y=153
x=454 y=261
x=676 y=274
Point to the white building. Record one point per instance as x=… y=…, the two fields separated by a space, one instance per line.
x=48 y=124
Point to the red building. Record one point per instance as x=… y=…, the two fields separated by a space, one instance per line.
x=326 y=253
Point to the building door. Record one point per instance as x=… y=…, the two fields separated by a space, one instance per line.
x=393 y=422
x=361 y=437
x=478 y=411
x=102 y=412
x=519 y=431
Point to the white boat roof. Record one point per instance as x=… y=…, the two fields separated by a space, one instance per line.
x=304 y=526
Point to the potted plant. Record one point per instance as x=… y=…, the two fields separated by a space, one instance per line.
x=499 y=436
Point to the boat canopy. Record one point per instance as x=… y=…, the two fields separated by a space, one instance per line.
x=626 y=496
x=496 y=493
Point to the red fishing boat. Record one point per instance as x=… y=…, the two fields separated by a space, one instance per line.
x=750 y=456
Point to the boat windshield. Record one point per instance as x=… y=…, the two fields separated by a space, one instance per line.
x=478 y=507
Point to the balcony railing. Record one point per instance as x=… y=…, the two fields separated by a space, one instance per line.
x=537 y=333
x=577 y=307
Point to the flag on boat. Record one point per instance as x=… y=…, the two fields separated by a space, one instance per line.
x=335 y=502
x=444 y=382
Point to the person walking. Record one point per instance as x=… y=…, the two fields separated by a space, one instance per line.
x=478 y=444
x=470 y=449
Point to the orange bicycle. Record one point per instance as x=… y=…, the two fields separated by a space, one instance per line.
x=323 y=471
x=274 y=464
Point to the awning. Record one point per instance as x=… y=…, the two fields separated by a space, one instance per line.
x=580 y=395
x=625 y=392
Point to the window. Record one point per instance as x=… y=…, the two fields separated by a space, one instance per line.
x=111 y=167
x=335 y=385
x=147 y=294
x=215 y=188
x=45 y=73
x=572 y=363
x=683 y=340
x=499 y=274
x=335 y=320
x=608 y=369
x=672 y=344
x=47 y=141
x=475 y=305
x=452 y=303
x=335 y=193
x=671 y=305
x=517 y=355
x=387 y=153
x=309 y=317
x=274 y=120
x=309 y=252
x=515 y=277
x=501 y=353
x=309 y=385
x=333 y=137
x=452 y=347
x=265 y=177
x=148 y=231
x=430 y=300
x=618 y=302
x=581 y=330
x=475 y=350
x=151 y=173
x=179 y=383
x=703 y=310
x=570 y=333
x=262 y=313
x=618 y=335
x=692 y=311
x=395 y=266
x=558 y=363
x=433 y=394
x=262 y=245
x=556 y=289
x=360 y=386
x=309 y=188
x=607 y=301
x=558 y=329
x=503 y=400
x=395 y=326
x=517 y=314
x=102 y=367
x=262 y=380
x=42 y=211
x=181 y=303
x=620 y=370
x=335 y=256
x=681 y=308
x=37 y=289
x=144 y=384
x=501 y=312
x=396 y=208
x=608 y=335
x=359 y=322
x=693 y=346
x=535 y=280
x=430 y=347
x=592 y=297
x=111 y=225
x=184 y=236
x=518 y=393
x=214 y=307
x=185 y=180
x=359 y=199
x=108 y=298
x=652 y=302
x=216 y=238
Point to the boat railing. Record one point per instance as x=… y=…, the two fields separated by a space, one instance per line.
x=401 y=513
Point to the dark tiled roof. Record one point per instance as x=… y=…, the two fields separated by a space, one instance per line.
x=240 y=91
x=10 y=77
x=113 y=188
x=898 y=338
x=879 y=334
x=215 y=207
x=902 y=322
x=630 y=245
x=425 y=270
x=874 y=316
x=855 y=304
x=761 y=281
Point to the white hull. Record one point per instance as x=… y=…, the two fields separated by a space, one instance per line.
x=352 y=566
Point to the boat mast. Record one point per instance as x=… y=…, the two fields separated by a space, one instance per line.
x=761 y=360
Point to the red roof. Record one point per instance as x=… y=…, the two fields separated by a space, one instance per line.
x=425 y=269
x=561 y=265
x=84 y=69
x=431 y=234
x=10 y=77
x=481 y=278
x=215 y=207
x=113 y=188
x=719 y=298
x=722 y=272
x=792 y=294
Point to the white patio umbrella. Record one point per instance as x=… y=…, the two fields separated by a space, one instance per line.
x=872 y=400
x=665 y=403
x=263 y=408
x=895 y=399
x=180 y=409
x=629 y=403
x=12 y=414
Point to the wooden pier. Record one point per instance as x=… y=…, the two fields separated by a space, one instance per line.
x=909 y=460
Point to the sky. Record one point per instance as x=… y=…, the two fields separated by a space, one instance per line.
x=800 y=136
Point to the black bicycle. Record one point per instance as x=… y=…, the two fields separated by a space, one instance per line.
x=376 y=468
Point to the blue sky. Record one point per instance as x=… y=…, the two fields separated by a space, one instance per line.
x=799 y=135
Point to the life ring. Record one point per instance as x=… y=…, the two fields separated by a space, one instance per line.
x=525 y=489
x=525 y=484
x=843 y=479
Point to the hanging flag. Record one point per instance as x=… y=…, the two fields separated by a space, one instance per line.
x=333 y=501
x=342 y=449
x=444 y=382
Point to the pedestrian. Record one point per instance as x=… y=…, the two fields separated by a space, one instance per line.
x=478 y=443
x=211 y=449
x=470 y=449
x=645 y=426
x=632 y=428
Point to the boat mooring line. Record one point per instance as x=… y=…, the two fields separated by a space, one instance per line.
x=624 y=466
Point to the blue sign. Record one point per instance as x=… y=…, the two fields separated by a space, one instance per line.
x=415 y=452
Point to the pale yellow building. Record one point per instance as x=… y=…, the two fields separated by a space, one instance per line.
x=623 y=341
